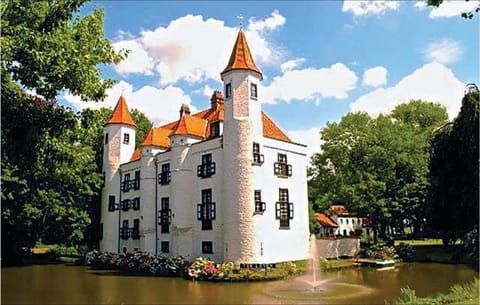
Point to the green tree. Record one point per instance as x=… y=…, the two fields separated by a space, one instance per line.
x=466 y=15
x=143 y=126
x=454 y=190
x=377 y=167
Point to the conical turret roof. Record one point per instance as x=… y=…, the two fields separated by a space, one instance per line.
x=121 y=115
x=241 y=58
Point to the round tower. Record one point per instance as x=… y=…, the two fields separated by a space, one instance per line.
x=119 y=145
x=242 y=125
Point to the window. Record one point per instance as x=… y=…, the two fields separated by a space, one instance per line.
x=100 y=232
x=206 y=210
x=207 y=168
x=126 y=185
x=207 y=247
x=103 y=179
x=281 y=168
x=347 y=221
x=165 y=216
x=253 y=91
x=165 y=247
x=125 y=230
x=126 y=138
x=136 y=182
x=136 y=203
x=259 y=205
x=136 y=229
x=341 y=221
x=215 y=129
x=228 y=90
x=111 y=203
x=257 y=157
x=106 y=138
x=164 y=177
x=284 y=209
x=125 y=205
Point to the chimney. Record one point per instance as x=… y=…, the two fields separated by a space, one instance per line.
x=217 y=99
x=184 y=110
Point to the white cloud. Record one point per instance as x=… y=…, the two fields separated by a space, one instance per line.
x=291 y=64
x=375 y=76
x=310 y=137
x=270 y=23
x=367 y=7
x=454 y=8
x=310 y=84
x=445 y=51
x=432 y=82
x=420 y=5
x=159 y=105
x=194 y=49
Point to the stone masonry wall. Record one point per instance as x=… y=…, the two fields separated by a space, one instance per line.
x=333 y=248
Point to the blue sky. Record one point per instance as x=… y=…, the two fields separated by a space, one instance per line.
x=320 y=59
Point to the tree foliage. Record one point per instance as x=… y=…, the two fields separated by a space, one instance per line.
x=454 y=161
x=377 y=166
x=466 y=15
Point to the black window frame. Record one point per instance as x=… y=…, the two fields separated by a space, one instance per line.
x=136 y=181
x=165 y=177
x=207 y=168
x=206 y=210
x=215 y=129
x=284 y=209
x=126 y=204
x=281 y=168
x=258 y=158
x=136 y=203
x=111 y=203
x=135 y=233
x=164 y=215
x=106 y=138
x=126 y=138
x=124 y=230
x=207 y=247
x=253 y=91
x=228 y=90
x=260 y=206
x=165 y=246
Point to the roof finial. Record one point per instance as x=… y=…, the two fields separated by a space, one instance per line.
x=123 y=90
x=240 y=21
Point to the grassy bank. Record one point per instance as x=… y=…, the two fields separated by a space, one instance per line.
x=432 y=250
x=459 y=295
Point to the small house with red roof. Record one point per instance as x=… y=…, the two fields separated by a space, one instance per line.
x=225 y=183
x=348 y=223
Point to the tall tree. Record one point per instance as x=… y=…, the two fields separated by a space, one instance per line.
x=454 y=161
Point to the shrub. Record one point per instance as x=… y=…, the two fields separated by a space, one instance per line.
x=405 y=252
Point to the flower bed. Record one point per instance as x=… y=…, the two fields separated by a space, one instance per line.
x=202 y=269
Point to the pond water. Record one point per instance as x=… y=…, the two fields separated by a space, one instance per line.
x=60 y=284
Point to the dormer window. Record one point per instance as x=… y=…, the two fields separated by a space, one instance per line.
x=215 y=129
x=253 y=91
x=228 y=90
x=126 y=138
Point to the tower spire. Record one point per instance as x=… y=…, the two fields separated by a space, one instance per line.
x=120 y=114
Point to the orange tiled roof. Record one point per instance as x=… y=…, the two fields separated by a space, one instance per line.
x=157 y=136
x=340 y=210
x=137 y=154
x=271 y=130
x=325 y=221
x=190 y=125
x=241 y=58
x=121 y=115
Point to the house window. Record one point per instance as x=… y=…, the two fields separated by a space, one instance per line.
x=228 y=90
x=125 y=205
x=259 y=205
x=100 y=232
x=253 y=91
x=136 y=182
x=111 y=203
x=125 y=230
x=126 y=185
x=347 y=221
x=284 y=209
x=165 y=247
x=136 y=229
x=215 y=129
x=257 y=157
x=341 y=221
x=106 y=138
x=281 y=168
x=164 y=177
x=165 y=216
x=126 y=138
x=206 y=212
x=136 y=203
x=207 y=247
x=207 y=168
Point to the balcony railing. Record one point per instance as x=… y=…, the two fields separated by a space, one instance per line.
x=206 y=170
x=257 y=159
x=282 y=169
x=164 y=178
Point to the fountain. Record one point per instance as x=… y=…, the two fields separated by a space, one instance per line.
x=314 y=267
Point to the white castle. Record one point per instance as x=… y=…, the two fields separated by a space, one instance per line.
x=225 y=183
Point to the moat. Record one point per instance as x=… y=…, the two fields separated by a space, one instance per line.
x=60 y=284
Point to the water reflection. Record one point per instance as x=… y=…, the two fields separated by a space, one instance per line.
x=57 y=284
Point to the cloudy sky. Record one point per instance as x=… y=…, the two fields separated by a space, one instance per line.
x=320 y=59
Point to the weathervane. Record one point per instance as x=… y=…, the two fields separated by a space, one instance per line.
x=240 y=21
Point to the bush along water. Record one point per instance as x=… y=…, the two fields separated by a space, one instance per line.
x=201 y=269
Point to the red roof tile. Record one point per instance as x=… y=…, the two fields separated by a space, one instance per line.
x=325 y=221
x=271 y=130
x=137 y=154
x=157 y=136
x=241 y=58
x=190 y=125
x=120 y=114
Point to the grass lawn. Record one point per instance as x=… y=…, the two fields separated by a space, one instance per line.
x=418 y=242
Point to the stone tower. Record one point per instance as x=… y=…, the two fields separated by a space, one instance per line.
x=242 y=126
x=119 y=145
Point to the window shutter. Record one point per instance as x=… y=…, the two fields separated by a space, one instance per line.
x=213 y=211
x=212 y=168
x=276 y=168
x=199 y=171
x=159 y=217
x=291 y=210
x=199 y=212
x=289 y=168
x=277 y=210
